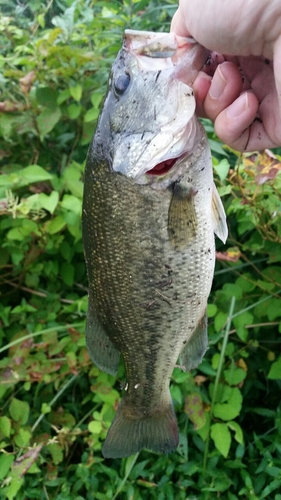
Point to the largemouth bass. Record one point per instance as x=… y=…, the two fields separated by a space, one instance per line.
x=150 y=212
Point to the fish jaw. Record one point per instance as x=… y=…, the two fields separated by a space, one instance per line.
x=159 y=51
x=161 y=125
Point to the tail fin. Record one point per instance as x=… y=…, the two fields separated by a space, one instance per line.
x=128 y=436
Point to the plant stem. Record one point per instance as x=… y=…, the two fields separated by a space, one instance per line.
x=256 y=303
x=217 y=379
x=120 y=487
x=42 y=332
x=63 y=388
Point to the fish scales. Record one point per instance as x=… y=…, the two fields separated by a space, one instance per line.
x=150 y=257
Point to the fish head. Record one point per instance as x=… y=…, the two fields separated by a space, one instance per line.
x=151 y=106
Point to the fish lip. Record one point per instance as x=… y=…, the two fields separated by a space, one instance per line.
x=163 y=46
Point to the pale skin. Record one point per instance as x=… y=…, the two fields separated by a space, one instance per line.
x=242 y=95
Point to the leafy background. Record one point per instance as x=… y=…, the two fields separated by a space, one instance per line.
x=56 y=406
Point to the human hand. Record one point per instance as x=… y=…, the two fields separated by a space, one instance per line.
x=242 y=97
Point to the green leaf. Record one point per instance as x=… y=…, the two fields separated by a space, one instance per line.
x=74 y=111
x=222 y=438
x=95 y=427
x=34 y=173
x=47 y=97
x=275 y=370
x=240 y=321
x=63 y=96
x=234 y=426
x=49 y=202
x=220 y=321
x=5 y=426
x=65 y=21
x=265 y=285
x=72 y=203
x=45 y=408
x=96 y=99
x=13 y=488
x=56 y=452
x=273 y=309
x=7 y=122
x=194 y=408
x=222 y=169
x=19 y=410
x=91 y=115
x=47 y=120
x=232 y=290
x=216 y=360
x=245 y=284
x=41 y=20
x=76 y=92
x=27 y=228
x=231 y=409
x=27 y=175
x=234 y=375
x=16 y=234
x=87 y=134
x=269 y=488
x=6 y=461
x=211 y=310
x=23 y=437
x=67 y=272
x=55 y=225
x=225 y=411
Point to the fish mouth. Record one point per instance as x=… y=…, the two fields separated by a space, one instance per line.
x=163 y=167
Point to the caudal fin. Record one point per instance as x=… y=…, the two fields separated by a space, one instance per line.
x=128 y=436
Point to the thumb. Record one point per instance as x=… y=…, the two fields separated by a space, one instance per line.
x=277 y=68
x=178 y=25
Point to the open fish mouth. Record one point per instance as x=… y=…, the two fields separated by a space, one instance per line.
x=165 y=166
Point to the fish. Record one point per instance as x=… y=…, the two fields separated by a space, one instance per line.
x=150 y=215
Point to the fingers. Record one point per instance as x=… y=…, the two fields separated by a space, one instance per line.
x=213 y=95
x=234 y=124
x=232 y=112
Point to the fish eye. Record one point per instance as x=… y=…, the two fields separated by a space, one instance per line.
x=121 y=84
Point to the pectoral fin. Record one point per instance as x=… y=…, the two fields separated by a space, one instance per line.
x=182 y=218
x=219 y=217
x=193 y=352
x=103 y=353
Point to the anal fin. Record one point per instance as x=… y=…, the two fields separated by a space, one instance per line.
x=102 y=351
x=193 y=352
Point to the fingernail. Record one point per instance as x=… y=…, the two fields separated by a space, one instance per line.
x=218 y=84
x=238 y=106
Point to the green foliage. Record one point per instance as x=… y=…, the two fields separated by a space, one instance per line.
x=56 y=407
